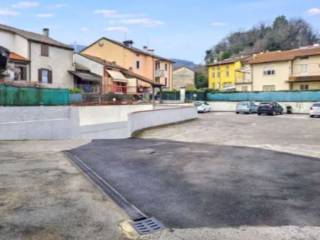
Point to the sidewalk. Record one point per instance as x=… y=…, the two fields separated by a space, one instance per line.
x=43 y=196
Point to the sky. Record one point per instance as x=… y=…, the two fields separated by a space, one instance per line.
x=182 y=29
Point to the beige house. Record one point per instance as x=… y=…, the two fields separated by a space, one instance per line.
x=297 y=69
x=37 y=58
x=183 y=77
x=142 y=62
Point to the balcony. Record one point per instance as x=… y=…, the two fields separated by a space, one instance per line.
x=159 y=73
x=305 y=73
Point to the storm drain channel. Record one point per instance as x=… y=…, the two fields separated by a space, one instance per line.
x=141 y=222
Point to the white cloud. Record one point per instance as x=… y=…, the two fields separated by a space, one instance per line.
x=84 y=29
x=25 y=4
x=108 y=13
x=218 y=24
x=146 y=22
x=8 y=12
x=60 y=5
x=117 y=29
x=45 y=15
x=314 y=11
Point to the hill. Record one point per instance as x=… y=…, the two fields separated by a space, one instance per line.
x=283 y=34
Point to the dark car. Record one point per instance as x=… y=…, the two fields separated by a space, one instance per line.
x=272 y=108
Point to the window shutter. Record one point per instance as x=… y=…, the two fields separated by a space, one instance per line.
x=39 y=75
x=49 y=76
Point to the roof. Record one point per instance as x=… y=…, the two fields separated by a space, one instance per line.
x=17 y=58
x=35 y=37
x=87 y=76
x=123 y=70
x=279 y=56
x=136 y=50
x=230 y=60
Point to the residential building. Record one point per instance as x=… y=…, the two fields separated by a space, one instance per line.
x=230 y=74
x=183 y=77
x=96 y=75
x=37 y=58
x=142 y=62
x=297 y=69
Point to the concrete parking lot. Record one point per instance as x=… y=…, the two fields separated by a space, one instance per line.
x=297 y=134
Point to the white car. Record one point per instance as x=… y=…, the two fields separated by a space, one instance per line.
x=202 y=107
x=315 y=110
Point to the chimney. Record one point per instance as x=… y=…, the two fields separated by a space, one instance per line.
x=128 y=43
x=151 y=50
x=45 y=32
x=145 y=48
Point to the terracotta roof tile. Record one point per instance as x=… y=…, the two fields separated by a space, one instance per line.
x=16 y=57
x=280 y=56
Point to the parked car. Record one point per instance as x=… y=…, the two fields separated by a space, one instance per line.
x=272 y=108
x=315 y=110
x=246 y=107
x=202 y=107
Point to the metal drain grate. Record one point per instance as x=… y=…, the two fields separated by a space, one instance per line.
x=148 y=226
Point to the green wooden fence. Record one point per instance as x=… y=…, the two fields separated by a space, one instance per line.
x=29 y=96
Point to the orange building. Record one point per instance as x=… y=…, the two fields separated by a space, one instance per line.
x=144 y=62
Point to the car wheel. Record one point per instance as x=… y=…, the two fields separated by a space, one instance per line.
x=311 y=116
x=259 y=114
x=237 y=113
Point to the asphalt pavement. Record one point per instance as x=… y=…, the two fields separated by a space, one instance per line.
x=188 y=185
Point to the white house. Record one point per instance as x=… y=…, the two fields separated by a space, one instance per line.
x=37 y=58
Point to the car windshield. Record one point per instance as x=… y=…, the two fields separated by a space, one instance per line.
x=244 y=104
x=197 y=104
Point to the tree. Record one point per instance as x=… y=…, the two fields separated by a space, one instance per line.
x=282 y=34
x=201 y=80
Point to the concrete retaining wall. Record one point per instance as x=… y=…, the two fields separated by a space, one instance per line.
x=142 y=120
x=22 y=123
x=108 y=114
x=47 y=123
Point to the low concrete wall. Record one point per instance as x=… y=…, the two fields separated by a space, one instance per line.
x=47 y=123
x=108 y=114
x=22 y=123
x=142 y=120
x=297 y=107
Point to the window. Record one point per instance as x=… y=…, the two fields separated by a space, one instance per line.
x=218 y=74
x=44 y=50
x=20 y=73
x=166 y=81
x=138 y=64
x=304 y=87
x=45 y=76
x=157 y=65
x=268 y=88
x=269 y=72
x=157 y=79
x=244 y=88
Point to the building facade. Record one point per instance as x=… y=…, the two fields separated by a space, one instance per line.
x=37 y=58
x=183 y=77
x=297 y=69
x=142 y=62
x=225 y=74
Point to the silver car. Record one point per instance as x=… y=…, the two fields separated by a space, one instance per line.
x=246 y=107
x=315 y=110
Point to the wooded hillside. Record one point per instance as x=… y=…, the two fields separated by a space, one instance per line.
x=283 y=34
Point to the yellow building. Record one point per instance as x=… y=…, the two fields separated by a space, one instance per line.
x=230 y=74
